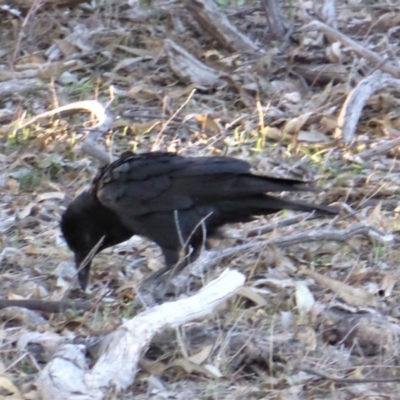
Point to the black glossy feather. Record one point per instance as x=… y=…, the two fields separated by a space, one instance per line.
x=171 y=200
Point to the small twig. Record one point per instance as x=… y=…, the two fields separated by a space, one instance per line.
x=14 y=363
x=209 y=259
x=329 y=377
x=47 y=306
x=157 y=141
x=382 y=148
x=339 y=235
x=31 y=13
x=279 y=224
x=84 y=263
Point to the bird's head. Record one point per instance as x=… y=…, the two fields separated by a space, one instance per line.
x=88 y=228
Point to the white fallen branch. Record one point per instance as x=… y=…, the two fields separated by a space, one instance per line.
x=67 y=376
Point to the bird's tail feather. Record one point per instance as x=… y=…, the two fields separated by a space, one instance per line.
x=265 y=204
x=299 y=205
x=248 y=184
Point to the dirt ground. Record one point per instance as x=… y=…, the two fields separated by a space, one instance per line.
x=318 y=316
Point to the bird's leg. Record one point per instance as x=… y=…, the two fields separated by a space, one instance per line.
x=151 y=296
x=172 y=261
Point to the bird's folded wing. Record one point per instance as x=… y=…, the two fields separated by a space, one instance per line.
x=157 y=182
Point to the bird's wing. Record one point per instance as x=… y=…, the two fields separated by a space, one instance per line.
x=166 y=182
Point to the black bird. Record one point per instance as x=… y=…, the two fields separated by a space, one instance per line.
x=175 y=201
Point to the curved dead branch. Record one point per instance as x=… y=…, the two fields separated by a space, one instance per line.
x=355 y=101
x=67 y=376
x=104 y=122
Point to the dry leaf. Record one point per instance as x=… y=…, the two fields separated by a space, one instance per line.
x=8 y=391
x=208 y=123
x=312 y=137
x=308 y=337
x=294 y=97
x=213 y=370
x=388 y=282
x=273 y=133
x=354 y=296
x=252 y=294
x=294 y=125
x=202 y=355
x=333 y=52
x=190 y=367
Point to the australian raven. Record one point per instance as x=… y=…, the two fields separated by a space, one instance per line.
x=177 y=202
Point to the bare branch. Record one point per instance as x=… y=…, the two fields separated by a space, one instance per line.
x=329 y=377
x=189 y=69
x=217 y=24
x=67 y=376
x=335 y=36
x=209 y=259
x=380 y=149
x=356 y=99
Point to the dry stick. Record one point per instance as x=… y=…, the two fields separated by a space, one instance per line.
x=348 y=380
x=213 y=21
x=279 y=224
x=190 y=69
x=391 y=132
x=157 y=141
x=32 y=11
x=274 y=18
x=382 y=148
x=339 y=235
x=47 y=306
x=209 y=259
x=83 y=264
x=335 y=36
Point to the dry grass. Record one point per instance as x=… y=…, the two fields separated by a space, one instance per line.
x=324 y=304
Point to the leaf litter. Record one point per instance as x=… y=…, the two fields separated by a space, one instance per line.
x=308 y=305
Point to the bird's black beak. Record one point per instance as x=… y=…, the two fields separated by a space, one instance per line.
x=83 y=271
